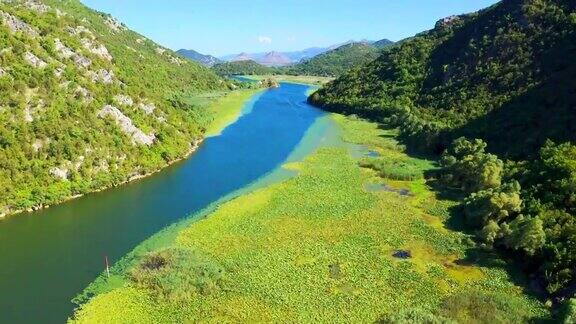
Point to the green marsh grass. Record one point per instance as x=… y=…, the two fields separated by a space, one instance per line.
x=318 y=248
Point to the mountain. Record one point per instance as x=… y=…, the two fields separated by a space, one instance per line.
x=293 y=56
x=86 y=103
x=242 y=57
x=504 y=85
x=243 y=67
x=383 y=43
x=337 y=61
x=483 y=88
x=207 y=60
x=275 y=59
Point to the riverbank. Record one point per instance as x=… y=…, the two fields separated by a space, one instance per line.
x=224 y=109
x=335 y=243
x=298 y=79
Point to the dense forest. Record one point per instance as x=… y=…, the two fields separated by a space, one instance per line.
x=86 y=103
x=242 y=68
x=492 y=92
x=338 y=61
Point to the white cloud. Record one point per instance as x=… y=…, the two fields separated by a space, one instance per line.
x=264 y=40
x=291 y=39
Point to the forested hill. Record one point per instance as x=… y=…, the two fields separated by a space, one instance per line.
x=505 y=76
x=86 y=103
x=502 y=74
x=336 y=62
x=246 y=67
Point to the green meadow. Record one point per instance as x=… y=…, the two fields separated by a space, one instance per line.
x=319 y=247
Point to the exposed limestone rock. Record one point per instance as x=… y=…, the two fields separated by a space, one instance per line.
x=17 y=25
x=448 y=21
x=80 y=31
x=82 y=61
x=114 y=24
x=83 y=93
x=60 y=13
x=161 y=119
x=58 y=72
x=97 y=49
x=34 y=60
x=160 y=50
x=66 y=52
x=3 y=72
x=37 y=145
x=28 y=115
x=104 y=76
x=63 y=51
x=147 y=107
x=125 y=123
x=60 y=173
x=177 y=61
x=141 y=40
x=37 y=6
x=123 y=100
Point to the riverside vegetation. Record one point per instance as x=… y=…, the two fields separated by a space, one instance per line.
x=491 y=90
x=317 y=247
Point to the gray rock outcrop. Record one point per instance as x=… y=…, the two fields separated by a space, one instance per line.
x=126 y=125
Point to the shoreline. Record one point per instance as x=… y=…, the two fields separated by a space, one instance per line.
x=193 y=148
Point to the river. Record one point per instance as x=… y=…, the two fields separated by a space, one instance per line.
x=49 y=256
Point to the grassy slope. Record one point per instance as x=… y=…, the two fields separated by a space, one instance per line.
x=318 y=248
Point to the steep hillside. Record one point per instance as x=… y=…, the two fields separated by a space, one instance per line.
x=502 y=76
x=207 y=60
x=243 y=67
x=338 y=61
x=86 y=103
x=499 y=74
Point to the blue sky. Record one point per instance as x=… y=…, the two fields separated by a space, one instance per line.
x=222 y=27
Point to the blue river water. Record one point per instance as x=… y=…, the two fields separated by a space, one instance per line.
x=48 y=257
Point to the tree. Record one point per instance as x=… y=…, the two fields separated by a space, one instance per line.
x=466 y=165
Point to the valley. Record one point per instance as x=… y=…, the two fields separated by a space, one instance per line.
x=430 y=179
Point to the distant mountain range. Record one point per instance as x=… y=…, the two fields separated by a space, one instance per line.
x=286 y=58
x=207 y=60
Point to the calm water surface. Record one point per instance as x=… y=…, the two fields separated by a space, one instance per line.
x=47 y=257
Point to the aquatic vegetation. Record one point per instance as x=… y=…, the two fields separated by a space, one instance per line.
x=318 y=247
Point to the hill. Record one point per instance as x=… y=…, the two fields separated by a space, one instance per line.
x=383 y=43
x=275 y=59
x=243 y=67
x=492 y=81
x=86 y=104
x=338 y=61
x=207 y=60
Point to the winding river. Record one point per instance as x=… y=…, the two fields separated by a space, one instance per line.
x=48 y=257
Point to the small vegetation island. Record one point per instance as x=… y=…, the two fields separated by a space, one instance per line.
x=434 y=180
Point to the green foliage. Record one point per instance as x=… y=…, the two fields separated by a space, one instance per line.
x=414 y=316
x=569 y=312
x=468 y=167
x=396 y=168
x=336 y=62
x=494 y=204
x=176 y=275
x=242 y=68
